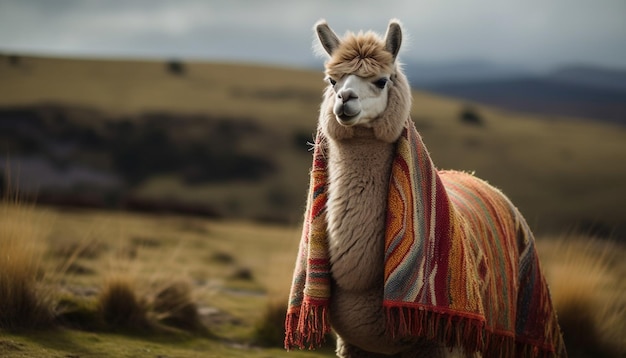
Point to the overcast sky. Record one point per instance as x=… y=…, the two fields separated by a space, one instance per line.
x=537 y=34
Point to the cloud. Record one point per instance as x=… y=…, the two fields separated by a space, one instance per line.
x=532 y=32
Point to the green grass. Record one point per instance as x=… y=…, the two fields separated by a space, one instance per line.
x=71 y=343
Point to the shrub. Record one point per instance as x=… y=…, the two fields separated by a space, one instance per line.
x=242 y=273
x=120 y=306
x=14 y=60
x=174 y=306
x=176 y=67
x=470 y=115
x=170 y=308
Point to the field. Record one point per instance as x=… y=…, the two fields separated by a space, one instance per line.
x=75 y=256
x=234 y=275
x=115 y=283
x=563 y=173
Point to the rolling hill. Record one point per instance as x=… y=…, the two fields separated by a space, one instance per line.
x=576 y=91
x=184 y=133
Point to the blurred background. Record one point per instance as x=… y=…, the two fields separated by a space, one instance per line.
x=207 y=107
x=166 y=145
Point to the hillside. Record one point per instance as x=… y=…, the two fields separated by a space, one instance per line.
x=577 y=91
x=543 y=96
x=591 y=76
x=434 y=73
x=187 y=132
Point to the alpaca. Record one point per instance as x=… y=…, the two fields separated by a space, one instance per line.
x=342 y=275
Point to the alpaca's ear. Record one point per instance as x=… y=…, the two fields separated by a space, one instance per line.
x=327 y=37
x=393 y=38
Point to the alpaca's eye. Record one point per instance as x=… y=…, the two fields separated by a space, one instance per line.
x=332 y=82
x=380 y=83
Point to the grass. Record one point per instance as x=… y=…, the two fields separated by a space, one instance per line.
x=24 y=302
x=73 y=343
x=562 y=173
x=588 y=289
x=133 y=87
x=269 y=331
x=175 y=306
x=186 y=287
x=167 y=285
x=120 y=305
x=164 y=285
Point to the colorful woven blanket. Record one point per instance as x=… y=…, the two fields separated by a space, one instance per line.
x=460 y=263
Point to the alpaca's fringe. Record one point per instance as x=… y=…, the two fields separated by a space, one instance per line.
x=463 y=331
x=307 y=327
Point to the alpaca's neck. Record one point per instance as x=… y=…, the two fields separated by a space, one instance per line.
x=359 y=170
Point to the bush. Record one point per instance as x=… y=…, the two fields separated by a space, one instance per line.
x=470 y=116
x=176 y=67
x=174 y=306
x=14 y=60
x=120 y=307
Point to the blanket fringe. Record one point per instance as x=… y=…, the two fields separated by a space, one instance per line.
x=456 y=330
x=307 y=328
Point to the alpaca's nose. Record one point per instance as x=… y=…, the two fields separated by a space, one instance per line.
x=346 y=95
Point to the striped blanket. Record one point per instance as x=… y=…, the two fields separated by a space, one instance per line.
x=460 y=263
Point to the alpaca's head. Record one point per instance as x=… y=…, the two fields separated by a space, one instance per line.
x=365 y=85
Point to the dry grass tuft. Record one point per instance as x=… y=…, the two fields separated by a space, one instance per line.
x=588 y=291
x=73 y=249
x=174 y=306
x=242 y=273
x=270 y=330
x=24 y=302
x=120 y=305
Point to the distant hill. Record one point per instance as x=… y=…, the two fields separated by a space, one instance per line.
x=425 y=74
x=542 y=96
x=230 y=140
x=584 y=92
x=591 y=77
